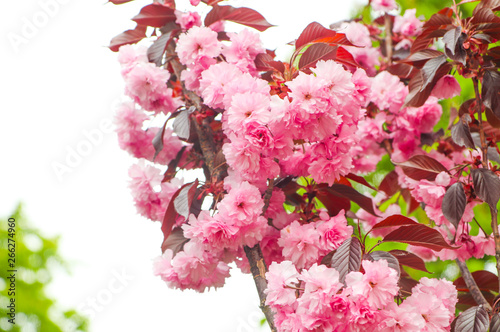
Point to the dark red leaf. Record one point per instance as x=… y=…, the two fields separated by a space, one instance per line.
x=491 y=91
x=419 y=235
x=418 y=93
x=418 y=59
x=411 y=202
x=172 y=166
x=264 y=62
x=359 y=179
x=440 y=19
x=485 y=280
x=313 y=32
x=409 y=259
x=422 y=167
x=327 y=260
x=493 y=120
x=345 y=57
x=241 y=15
x=403 y=70
x=175 y=241
x=454 y=203
x=317 y=52
x=341 y=190
x=460 y=132
x=128 y=37
x=492 y=4
x=424 y=39
x=474 y=319
x=431 y=68
x=390 y=184
x=171 y=214
x=486 y=186
x=395 y=221
x=392 y=261
x=495 y=323
x=453 y=42
x=347 y=257
x=182 y=125
x=156 y=51
x=158 y=140
x=333 y=203
x=406 y=284
x=155 y=15
x=338 y=39
x=465 y=300
x=119 y=2
x=184 y=199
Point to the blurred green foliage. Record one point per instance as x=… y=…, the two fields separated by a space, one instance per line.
x=34 y=257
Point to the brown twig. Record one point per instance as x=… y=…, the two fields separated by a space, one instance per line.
x=258 y=268
x=388 y=37
x=496 y=237
x=479 y=105
x=471 y=284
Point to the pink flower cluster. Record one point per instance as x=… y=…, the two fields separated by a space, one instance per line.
x=193 y=268
x=316 y=300
x=303 y=244
x=129 y=122
x=151 y=196
x=146 y=83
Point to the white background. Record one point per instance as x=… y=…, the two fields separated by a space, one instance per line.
x=61 y=81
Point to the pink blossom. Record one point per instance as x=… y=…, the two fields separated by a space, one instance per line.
x=366 y=57
x=130 y=55
x=424 y=118
x=309 y=92
x=357 y=33
x=259 y=136
x=242 y=204
x=245 y=83
x=213 y=81
x=212 y=231
x=151 y=197
x=446 y=87
x=187 y=20
x=137 y=141
x=282 y=279
x=249 y=106
x=429 y=193
x=384 y=5
x=379 y=283
x=196 y=43
x=300 y=244
x=401 y=319
x=408 y=24
x=362 y=87
x=194 y=2
x=321 y=284
x=388 y=92
x=147 y=85
x=337 y=80
x=333 y=231
x=244 y=47
x=405 y=144
x=192 y=268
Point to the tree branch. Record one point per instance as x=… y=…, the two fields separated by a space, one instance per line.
x=479 y=105
x=471 y=284
x=258 y=268
x=388 y=37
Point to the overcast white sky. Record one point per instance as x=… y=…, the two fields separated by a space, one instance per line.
x=59 y=82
